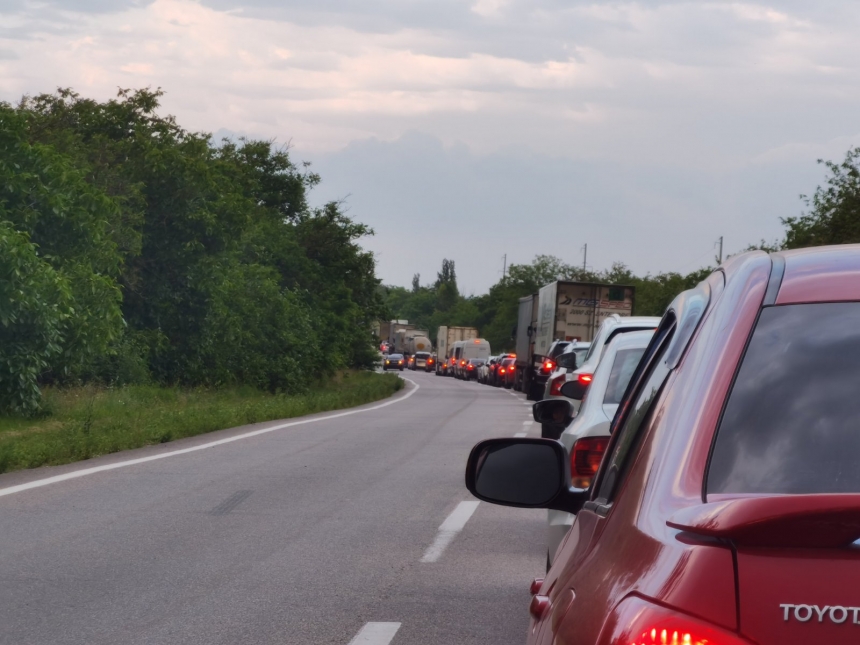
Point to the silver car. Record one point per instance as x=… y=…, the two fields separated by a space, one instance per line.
x=588 y=434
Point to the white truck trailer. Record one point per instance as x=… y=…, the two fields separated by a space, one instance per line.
x=562 y=311
x=445 y=339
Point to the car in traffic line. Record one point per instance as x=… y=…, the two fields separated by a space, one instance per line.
x=569 y=360
x=609 y=329
x=587 y=436
x=393 y=362
x=506 y=372
x=727 y=504
x=419 y=361
x=469 y=370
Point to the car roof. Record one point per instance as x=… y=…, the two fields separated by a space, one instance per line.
x=818 y=274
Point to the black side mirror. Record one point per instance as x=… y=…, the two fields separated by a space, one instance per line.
x=526 y=473
x=574 y=390
x=557 y=412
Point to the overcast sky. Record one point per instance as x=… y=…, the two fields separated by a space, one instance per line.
x=471 y=129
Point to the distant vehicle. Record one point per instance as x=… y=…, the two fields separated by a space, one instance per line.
x=469 y=371
x=565 y=311
x=431 y=363
x=725 y=510
x=446 y=337
x=417 y=343
x=611 y=327
x=506 y=373
x=587 y=436
x=420 y=361
x=393 y=362
x=571 y=357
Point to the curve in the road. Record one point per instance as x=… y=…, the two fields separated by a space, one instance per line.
x=11 y=490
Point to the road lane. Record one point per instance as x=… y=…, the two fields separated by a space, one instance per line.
x=302 y=535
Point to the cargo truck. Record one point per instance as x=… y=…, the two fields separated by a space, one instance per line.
x=561 y=311
x=445 y=339
x=403 y=339
x=418 y=343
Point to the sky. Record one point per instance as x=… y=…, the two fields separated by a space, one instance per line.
x=490 y=131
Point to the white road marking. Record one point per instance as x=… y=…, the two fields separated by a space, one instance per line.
x=452 y=525
x=375 y=634
x=11 y=490
x=521 y=434
x=527 y=423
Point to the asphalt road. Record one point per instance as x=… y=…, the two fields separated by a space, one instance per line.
x=321 y=532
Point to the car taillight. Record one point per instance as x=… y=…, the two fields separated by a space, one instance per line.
x=585 y=460
x=641 y=623
x=501 y=370
x=585 y=379
x=548 y=366
x=462 y=363
x=471 y=367
x=555 y=385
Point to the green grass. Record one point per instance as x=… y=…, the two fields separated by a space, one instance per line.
x=80 y=423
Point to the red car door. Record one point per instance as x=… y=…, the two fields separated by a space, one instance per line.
x=603 y=553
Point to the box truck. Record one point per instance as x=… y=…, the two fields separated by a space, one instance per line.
x=562 y=311
x=445 y=339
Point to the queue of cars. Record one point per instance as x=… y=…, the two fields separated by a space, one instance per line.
x=709 y=477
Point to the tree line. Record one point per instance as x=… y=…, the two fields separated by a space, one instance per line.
x=134 y=251
x=832 y=216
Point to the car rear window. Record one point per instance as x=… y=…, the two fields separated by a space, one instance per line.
x=792 y=421
x=623 y=367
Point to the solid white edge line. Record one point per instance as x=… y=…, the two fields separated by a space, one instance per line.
x=375 y=634
x=38 y=483
x=449 y=529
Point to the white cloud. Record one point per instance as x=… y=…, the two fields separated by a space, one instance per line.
x=663 y=89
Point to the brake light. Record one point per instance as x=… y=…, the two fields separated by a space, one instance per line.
x=462 y=363
x=430 y=360
x=585 y=379
x=555 y=385
x=477 y=340
x=585 y=460
x=548 y=366
x=471 y=367
x=501 y=370
x=641 y=623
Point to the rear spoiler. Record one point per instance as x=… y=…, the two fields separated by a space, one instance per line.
x=810 y=521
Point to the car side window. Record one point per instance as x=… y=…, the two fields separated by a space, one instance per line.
x=629 y=433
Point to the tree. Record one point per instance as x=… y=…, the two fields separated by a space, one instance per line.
x=834 y=215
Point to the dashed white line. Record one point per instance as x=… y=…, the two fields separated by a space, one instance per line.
x=133 y=462
x=527 y=423
x=521 y=434
x=375 y=634
x=452 y=525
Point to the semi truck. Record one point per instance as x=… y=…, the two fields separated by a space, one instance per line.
x=562 y=311
x=445 y=339
x=418 y=343
x=403 y=338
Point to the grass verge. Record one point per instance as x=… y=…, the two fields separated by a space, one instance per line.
x=85 y=422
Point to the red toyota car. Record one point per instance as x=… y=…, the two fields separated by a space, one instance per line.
x=727 y=505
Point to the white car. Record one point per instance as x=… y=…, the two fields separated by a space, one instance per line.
x=613 y=326
x=587 y=435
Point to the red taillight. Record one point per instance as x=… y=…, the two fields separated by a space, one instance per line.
x=430 y=361
x=501 y=370
x=641 y=623
x=462 y=363
x=585 y=379
x=585 y=460
x=471 y=367
x=548 y=366
x=555 y=385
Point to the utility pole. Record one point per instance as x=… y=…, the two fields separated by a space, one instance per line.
x=585 y=257
x=720 y=257
x=504 y=265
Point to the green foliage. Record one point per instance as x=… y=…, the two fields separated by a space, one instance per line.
x=35 y=305
x=834 y=216
x=84 y=422
x=180 y=261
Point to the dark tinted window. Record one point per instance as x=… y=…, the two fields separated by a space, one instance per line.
x=623 y=367
x=792 y=421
